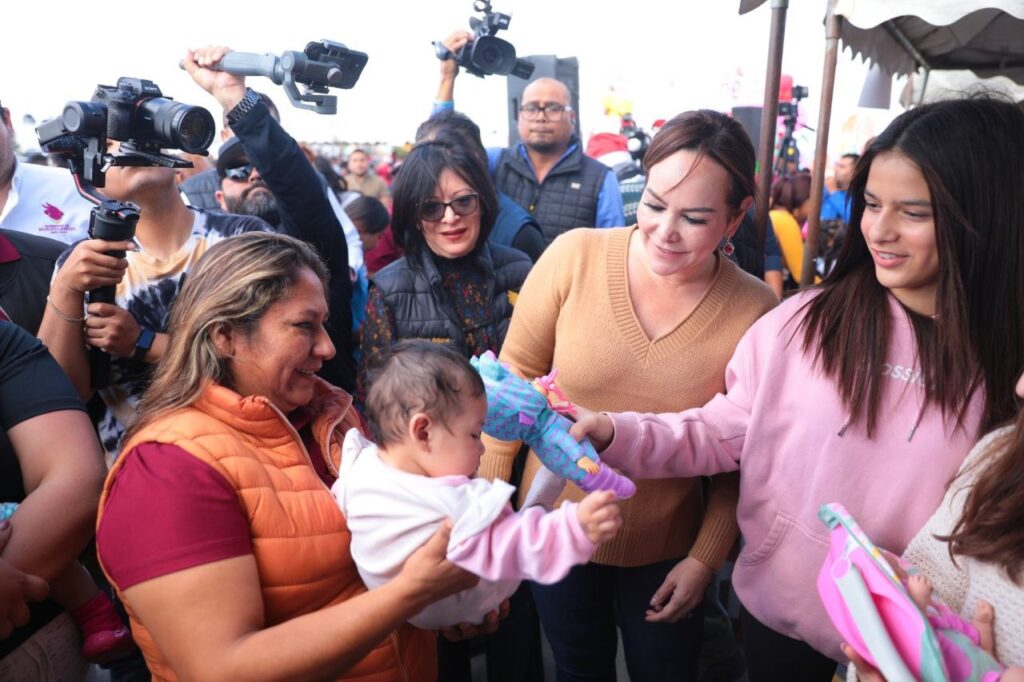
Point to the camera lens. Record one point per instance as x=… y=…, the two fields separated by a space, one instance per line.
x=493 y=55
x=490 y=55
x=195 y=129
x=174 y=125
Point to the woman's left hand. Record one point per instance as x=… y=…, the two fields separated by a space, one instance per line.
x=682 y=591
x=463 y=631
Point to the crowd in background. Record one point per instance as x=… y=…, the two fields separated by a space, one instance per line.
x=178 y=461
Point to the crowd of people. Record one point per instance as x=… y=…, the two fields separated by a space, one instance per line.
x=265 y=458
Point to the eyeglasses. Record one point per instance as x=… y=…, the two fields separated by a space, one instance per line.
x=433 y=210
x=553 y=112
x=239 y=173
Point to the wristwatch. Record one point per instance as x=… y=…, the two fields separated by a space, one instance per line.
x=243 y=107
x=143 y=344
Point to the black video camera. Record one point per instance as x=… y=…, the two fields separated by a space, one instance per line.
x=135 y=113
x=486 y=54
x=789 y=108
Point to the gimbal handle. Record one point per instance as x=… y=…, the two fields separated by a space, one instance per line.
x=290 y=68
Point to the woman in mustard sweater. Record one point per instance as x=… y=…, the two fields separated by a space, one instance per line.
x=645 y=317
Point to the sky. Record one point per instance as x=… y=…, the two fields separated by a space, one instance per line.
x=666 y=56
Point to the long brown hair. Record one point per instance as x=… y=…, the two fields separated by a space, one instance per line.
x=969 y=152
x=232 y=285
x=991 y=528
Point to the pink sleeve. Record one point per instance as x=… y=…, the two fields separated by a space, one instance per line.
x=532 y=544
x=701 y=441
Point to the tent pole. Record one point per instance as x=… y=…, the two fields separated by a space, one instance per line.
x=924 y=86
x=828 y=80
x=769 y=117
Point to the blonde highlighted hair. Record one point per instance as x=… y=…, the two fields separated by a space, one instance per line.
x=231 y=287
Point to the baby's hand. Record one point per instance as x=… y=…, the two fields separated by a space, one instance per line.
x=599 y=516
x=920 y=589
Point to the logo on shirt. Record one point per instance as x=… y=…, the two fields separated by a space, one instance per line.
x=52 y=212
x=910 y=375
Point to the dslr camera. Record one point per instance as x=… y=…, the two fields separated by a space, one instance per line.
x=487 y=54
x=135 y=113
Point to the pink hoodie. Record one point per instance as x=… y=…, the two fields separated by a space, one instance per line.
x=783 y=424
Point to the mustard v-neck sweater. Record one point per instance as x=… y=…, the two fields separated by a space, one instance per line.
x=575 y=313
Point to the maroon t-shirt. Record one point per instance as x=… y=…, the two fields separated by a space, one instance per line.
x=168 y=511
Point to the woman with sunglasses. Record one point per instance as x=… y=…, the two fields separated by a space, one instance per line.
x=451 y=287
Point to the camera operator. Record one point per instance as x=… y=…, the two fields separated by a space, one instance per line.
x=547 y=173
x=169 y=238
x=297 y=189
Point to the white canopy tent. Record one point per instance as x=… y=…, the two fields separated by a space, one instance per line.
x=985 y=37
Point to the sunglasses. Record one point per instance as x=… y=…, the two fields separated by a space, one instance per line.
x=433 y=210
x=239 y=173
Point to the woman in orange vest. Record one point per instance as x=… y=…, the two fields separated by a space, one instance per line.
x=217 y=526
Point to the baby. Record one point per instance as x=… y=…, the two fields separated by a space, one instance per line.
x=426 y=407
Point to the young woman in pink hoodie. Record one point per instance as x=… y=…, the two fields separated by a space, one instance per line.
x=869 y=389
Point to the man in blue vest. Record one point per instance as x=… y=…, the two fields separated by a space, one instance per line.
x=547 y=173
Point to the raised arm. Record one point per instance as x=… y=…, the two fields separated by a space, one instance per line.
x=445 y=98
x=306 y=213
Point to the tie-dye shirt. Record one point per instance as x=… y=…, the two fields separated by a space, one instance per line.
x=147 y=291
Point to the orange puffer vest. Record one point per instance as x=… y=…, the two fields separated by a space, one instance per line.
x=299 y=536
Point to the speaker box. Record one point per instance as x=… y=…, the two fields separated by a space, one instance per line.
x=565 y=69
x=750 y=119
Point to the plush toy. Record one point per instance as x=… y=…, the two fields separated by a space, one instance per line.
x=535 y=414
x=889 y=615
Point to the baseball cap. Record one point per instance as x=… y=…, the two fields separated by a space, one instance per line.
x=232 y=153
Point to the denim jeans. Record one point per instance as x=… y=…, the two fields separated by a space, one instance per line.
x=580 y=615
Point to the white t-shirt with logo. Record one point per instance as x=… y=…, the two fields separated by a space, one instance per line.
x=44 y=201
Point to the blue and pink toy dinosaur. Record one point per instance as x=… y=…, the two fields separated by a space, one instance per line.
x=534 y=413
